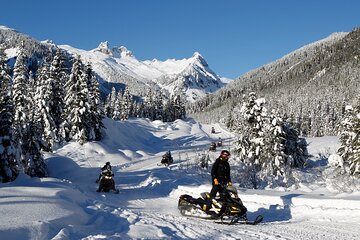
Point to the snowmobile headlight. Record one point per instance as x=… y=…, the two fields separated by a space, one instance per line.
x=108 y=177
x=233 y=195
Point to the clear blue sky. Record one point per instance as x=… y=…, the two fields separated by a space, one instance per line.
x=234 y=36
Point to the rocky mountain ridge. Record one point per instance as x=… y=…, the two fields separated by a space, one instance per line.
x=118 y=67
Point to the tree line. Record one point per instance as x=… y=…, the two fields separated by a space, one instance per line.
x=39 y=110
x=121 y=105
x=58 y=103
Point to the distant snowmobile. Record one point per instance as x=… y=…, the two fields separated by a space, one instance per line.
x=212 y=130
x=212 y=147
x=107 y=182
x=228 y=207
x=219 y=143
x=167 y=159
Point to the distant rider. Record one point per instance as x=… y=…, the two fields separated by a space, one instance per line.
x=106 y=167
x=167 y=158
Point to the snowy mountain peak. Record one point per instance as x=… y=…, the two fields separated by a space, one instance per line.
x=104 y=47
x=199 y=59
x=124 y=52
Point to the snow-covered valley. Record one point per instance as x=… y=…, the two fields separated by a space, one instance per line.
x=67 y=206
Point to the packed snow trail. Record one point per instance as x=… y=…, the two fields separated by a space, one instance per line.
x=66 y=206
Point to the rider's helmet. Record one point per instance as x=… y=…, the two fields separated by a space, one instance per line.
x=107 y=163
x=225 y=154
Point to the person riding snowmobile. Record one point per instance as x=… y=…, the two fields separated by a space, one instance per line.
x=107 y=167
x=220 y=174
x=219 y=143
x=107 y=182
x=167 y=159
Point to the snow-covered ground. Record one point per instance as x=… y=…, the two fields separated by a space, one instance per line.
x=66 y=205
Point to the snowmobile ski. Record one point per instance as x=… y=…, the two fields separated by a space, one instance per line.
x=233 y=221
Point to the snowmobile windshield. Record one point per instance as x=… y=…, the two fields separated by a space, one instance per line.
x=231 y=189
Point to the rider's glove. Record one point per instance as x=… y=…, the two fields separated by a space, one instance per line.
x=229 y=183
x=216 y=182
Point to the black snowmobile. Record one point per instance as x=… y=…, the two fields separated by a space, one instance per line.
x=107 y=182
x=167 y=159
x=212 y=147
x=219 y=143
x=227 y=208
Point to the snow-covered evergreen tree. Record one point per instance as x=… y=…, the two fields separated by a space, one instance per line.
x=33 y=160
x=149 y=107
x=8 y=151
x=250 y=124
x=276 y=164
x=116 y=115
x=20 y=92
x=350 y=141
x=295 y=146
x=353 y=162
x=126 y=105
x=96 y=111
x=110 y=103
x=57 y=77
x=267 y=146
x=169 y=110
x=347 y=135
x=179 y=107
x=158 y=106
x=77 y=104
x=43 y=102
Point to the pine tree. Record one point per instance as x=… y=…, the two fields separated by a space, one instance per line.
x=347 y=135
x=8 y=151
x=350 y=141
x=250 y=124
x=353 y=162
x=77 y=104
x=275 y=162
x=169 y=111
x=33 y=160
x=58 y=77
x=110 y=103
x=20 y=90
x=267 y=146
x=179 y=107
x=158 y=106
x=149 y=107
x=295 y=147
x=43 y=101
x=126 y=105
x=96 y=111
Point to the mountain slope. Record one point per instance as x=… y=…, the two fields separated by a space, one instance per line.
x=317 y=79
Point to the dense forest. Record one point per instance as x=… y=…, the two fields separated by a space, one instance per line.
x=311 y=86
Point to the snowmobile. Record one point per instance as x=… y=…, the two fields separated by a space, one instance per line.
x=212 y=147
x=226 y=208
x=212 y=130
x=107 y=182
x=219 y=143
x=167 y=159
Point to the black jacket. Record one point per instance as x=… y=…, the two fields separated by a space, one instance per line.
x=221 y=171
x=106 y=167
